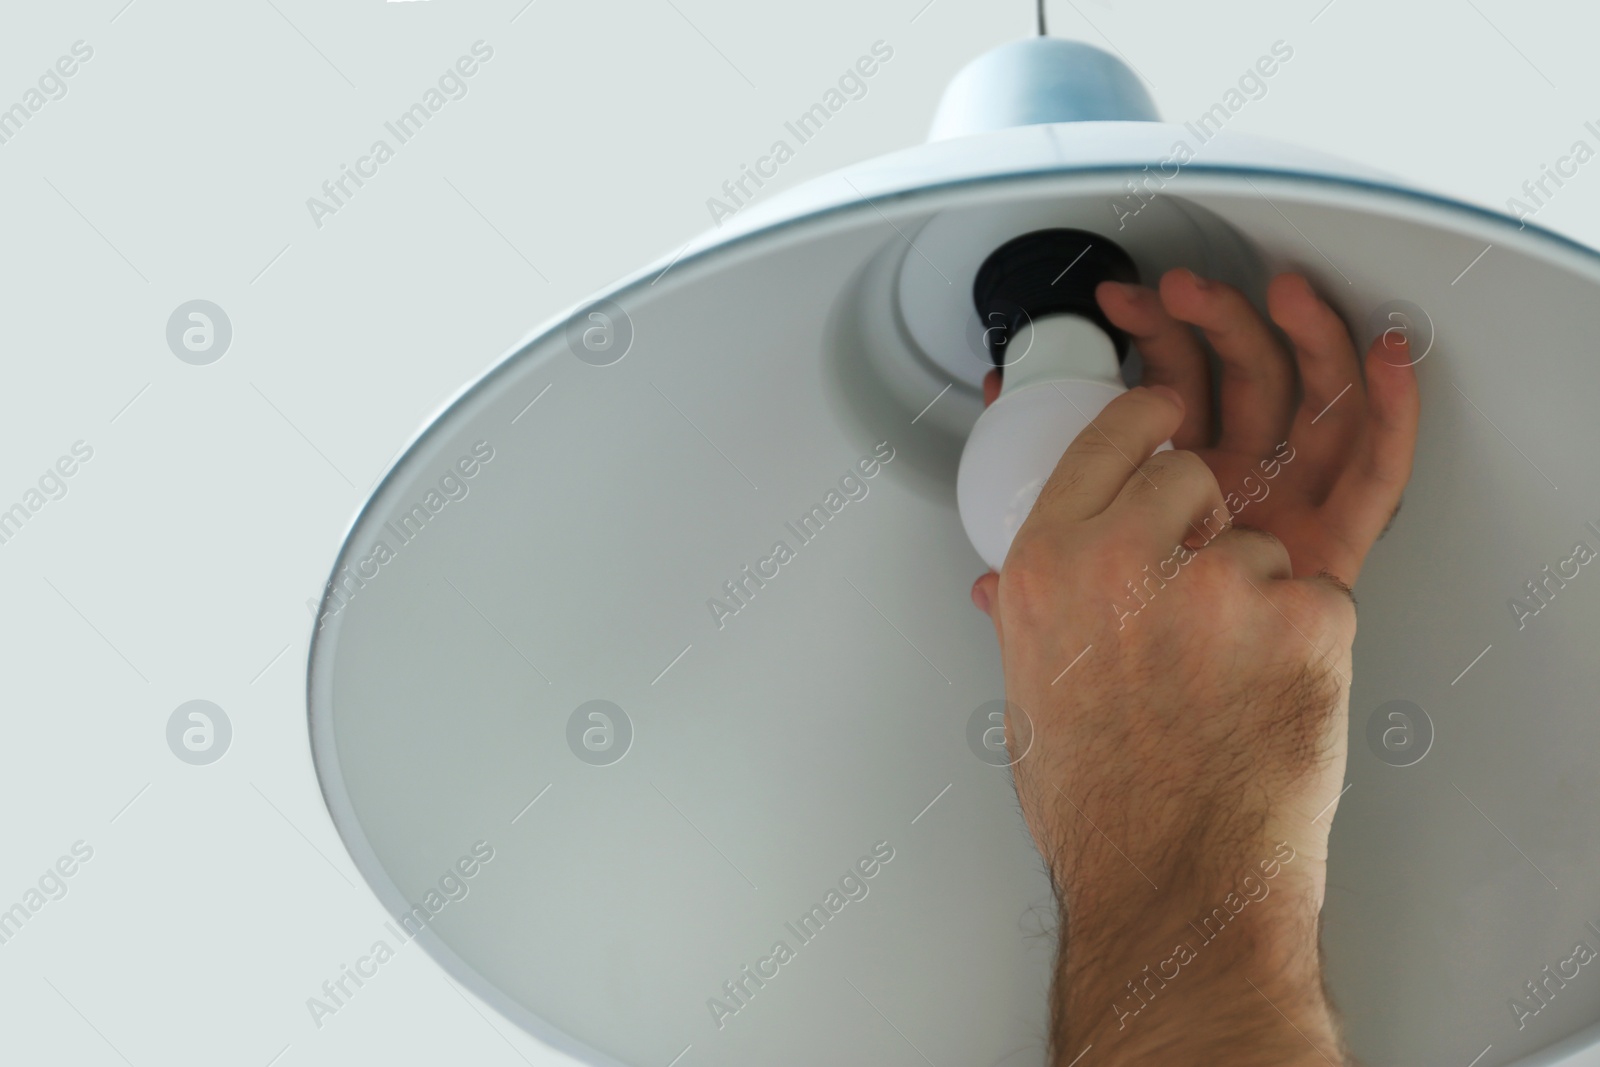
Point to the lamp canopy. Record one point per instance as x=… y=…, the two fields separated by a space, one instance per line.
x=661 y=627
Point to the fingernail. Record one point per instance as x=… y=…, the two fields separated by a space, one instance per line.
x=1199 y=282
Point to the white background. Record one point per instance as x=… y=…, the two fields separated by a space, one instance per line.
x=179 y=563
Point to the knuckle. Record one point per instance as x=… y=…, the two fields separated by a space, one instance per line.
x=1092 y=444
x=1189 y=465
x=1163 y=466
x=1029 y=577
x=1220 y=576
x=1172 y=467
x=1319 y=610
x=1045 y=578
x=1065 y=482
x=1265 y=538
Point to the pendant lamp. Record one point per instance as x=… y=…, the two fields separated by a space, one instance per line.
x=646 y=693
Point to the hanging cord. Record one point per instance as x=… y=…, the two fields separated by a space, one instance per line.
x=1042 y=31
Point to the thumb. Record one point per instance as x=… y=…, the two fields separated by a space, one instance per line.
x=986 y=596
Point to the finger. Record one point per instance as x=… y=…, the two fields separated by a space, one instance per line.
x=986 y=596
x=1262 y=556
x=1333 y=404
x=1175 y=498
x=991 y=387
x=1172 y=354
x=1368 y=491
x=1102 y=458
x=1257 y=387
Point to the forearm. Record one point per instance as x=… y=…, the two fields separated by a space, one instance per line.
x=1218 y=965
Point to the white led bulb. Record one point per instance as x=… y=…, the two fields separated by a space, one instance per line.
x=1066 y=375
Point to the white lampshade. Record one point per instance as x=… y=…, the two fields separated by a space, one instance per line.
x=805 y=377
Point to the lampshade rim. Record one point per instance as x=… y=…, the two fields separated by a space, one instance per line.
x=1203 y=177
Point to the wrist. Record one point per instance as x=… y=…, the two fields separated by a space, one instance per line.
x=1208 y=963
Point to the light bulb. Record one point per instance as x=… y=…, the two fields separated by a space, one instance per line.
x=1066 y=374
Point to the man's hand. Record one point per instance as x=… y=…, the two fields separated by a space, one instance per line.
x=1185 y=681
